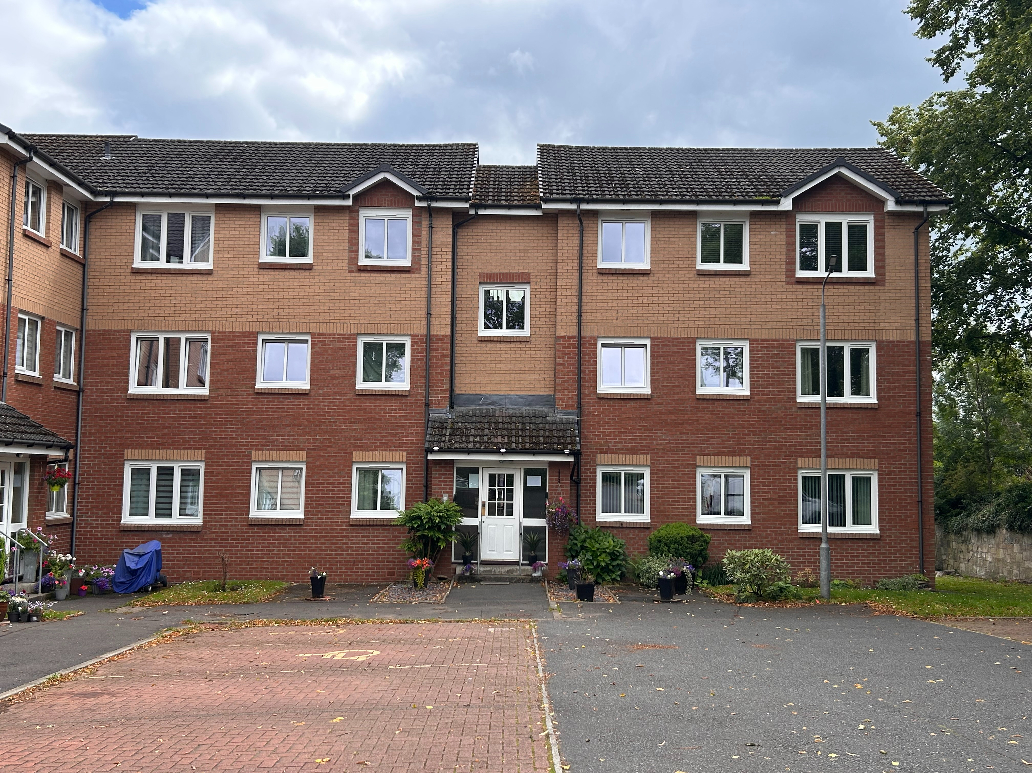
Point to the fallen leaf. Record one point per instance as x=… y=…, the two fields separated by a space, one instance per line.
x=336 y=719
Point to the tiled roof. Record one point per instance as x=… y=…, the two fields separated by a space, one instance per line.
x=216 y=167
x=18 y=429
x=506 y=186
x=710 y=174
x=514 y=429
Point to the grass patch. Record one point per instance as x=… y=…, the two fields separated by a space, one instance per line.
x=60 y=614
x=208 y=592
x=952 y=597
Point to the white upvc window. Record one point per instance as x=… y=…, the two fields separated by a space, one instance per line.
x=64 y=355
x=722 y=367
x=377 y=490
x=824 y=241
x=623 y=365
x=26 y=357
x=169 y=362
x=505 y=310
x=624 y=240
x=852 y=500
x=57 y=501
x=622 y=493
x=723 y=494
x=70 y=227
x=851 y=372
x=385 y=236
x=278 y=490
x=722 y=242
x=283 y=360
x=286 y=235
x=34 y=216
x=173 y=238
x=163 y=492
x=383 y=362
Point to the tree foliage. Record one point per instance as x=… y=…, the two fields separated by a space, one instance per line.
x=976 y=143
x=431 y=526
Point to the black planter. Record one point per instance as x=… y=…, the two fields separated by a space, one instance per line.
x=666 y=589
x=532 y=559
x=467 y=558
x=318 y=587
x=12 y=616
x=681 y=585
x=585 y=591
x=572 y=575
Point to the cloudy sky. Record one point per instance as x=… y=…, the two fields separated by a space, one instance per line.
x=507 y=74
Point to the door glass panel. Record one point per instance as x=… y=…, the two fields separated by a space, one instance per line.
x=500 y=494
x=19 y=482
x=535 y=492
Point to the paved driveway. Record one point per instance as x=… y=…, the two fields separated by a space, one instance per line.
x=703 y=686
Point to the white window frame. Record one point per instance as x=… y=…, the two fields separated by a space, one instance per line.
x=287 y=212
x=845 y=218
x=52 y=511
x=176 y=486
x=624 y=342
x=33 y=182
x=264 y=338
x=388 y=514
x=70 y=242
x=482 y=331
x=721 y=390
x=700 y=518
x=164 y=211
x=377 y=213
x=638 y=517
x=23 y=368
x=62 y=331
x=626 y=217
x=161 y=335
x=848 y=528
x=254 y=512
x=374 y=339
x=722 y=219
x=847 y=398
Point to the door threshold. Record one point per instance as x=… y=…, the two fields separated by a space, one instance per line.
x=494 y=582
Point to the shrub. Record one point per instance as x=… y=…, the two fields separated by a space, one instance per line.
x=431 y=526
x=807 y=578
x=714 y=574
x=839 y=584
x=910 y=582
x=680 y=540
x=1016 y=503
x=647 y=570
x=757 y=574
x=602 y=553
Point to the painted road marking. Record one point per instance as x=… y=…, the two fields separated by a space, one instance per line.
x=341 y=655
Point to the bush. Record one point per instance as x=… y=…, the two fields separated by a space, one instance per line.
x=647 y=570
x=431 y=526
x=602 y=554
x=757 y=574
x=680 y=540
x=807 y=578
x=839 y=584
x=910 y=582
x=714 y=574
x=1016 y=502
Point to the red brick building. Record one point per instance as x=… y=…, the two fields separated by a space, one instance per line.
x=286 y=343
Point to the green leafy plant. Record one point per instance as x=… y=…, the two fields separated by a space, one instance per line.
x=807 y=578
x=758 y=574
x=602 y=554
x=647 y=569
x=841 y=584
x=680 y=540
x=532 y=541
x=431 y=526
x=909 y=582
x=467 y=541
x=714 y=574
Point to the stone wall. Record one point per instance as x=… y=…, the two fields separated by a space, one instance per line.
x=1003 y=555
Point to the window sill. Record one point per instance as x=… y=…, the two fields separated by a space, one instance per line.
x=485 y=337
x=168 y=270
x=845 y=280
x=73 y=256
x=299 y=266
x=37 y=237
x=56 y=519
x=395 y=392
x=402 y=268
x=283 y=390
x=722 y=271
x=842 y=534
x=165 y=396
x=625 y=395
x=817 y=404
x=153 y=526
x=632 y=271
x=263 y=520
x=69 y=385
x=724 y=526
x=28 y=379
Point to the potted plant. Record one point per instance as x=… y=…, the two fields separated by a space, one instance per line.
x=666 y=584
x=318 y=580
x=5 y=599
x=538 y=567
x=57 y=478
x=585 y=587
x=531 y=543
x=572 y=569
x=36 y=610
x=560 y=517
x=18 y=608
x=467 y=543
x=420 y=570
x=60 y=587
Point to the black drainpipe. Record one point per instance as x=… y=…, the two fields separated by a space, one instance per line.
x=10 y=275
x=454 y=281
x=917 y=362
x=580 y=351
x=81 y=367
x=426 y=385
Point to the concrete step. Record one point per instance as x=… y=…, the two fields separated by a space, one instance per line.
x=503 y=573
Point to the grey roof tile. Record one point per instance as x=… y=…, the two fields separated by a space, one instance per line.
x=18 y=429
x=506 y=186
x=514 y=429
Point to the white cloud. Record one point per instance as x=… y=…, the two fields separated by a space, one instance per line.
x=521 y=60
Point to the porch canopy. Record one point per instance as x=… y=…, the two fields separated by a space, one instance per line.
x=21 y=435
x=544 y=434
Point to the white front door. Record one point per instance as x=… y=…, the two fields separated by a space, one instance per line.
x=500 y=515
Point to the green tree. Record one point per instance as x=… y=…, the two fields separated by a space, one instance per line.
x=976 y=143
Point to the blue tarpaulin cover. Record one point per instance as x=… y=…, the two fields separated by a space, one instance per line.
x=138 y=568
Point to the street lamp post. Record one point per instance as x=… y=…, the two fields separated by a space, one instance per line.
x=825 y=554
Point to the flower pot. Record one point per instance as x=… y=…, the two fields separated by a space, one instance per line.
x=61 y=593
x=81 y=591
x=318 y=587
x=33 y=617
x=572 y=575
x=681 y=585
x=532 y=559
x=585 y=591
x=12 y=615
x=666 y=588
